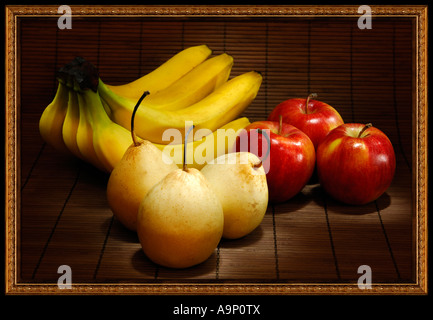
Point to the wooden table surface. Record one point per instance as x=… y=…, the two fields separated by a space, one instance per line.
x=64 y=217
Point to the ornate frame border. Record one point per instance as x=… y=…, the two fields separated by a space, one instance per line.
x=418 y=13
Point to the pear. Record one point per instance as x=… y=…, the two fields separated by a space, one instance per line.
x=239 y=180
x=141 y=167
x=180 y=220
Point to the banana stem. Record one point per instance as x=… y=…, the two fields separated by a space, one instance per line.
x=184 y=148
x=311 y=95
x=134 y=137
x=82 y=71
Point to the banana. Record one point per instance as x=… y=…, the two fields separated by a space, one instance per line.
x=201 y=151
x=52 y=118
x=85 y=134
x=110 y=140
x=215 y=110
x=194 y=86
x=166 y=74
x=70 y=124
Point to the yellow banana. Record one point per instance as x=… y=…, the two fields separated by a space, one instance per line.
x=110 y=140
x=215 y=110
x=85 y=134
x=201 y=151
x=166 y=74
x=193 y=86
x=70 y=124
x=51 y=121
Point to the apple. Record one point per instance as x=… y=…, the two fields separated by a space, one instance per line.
x=313 y=117
x=291 y=158
x=355 y=163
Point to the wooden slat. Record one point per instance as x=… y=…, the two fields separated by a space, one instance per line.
x=79 y=233
x=304 y=243
x=395 y=211
x=250 y=258
x=359 y=240
x=42 y=202
x=122 y=258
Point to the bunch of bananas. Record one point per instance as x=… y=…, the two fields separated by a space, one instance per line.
x=92 y=120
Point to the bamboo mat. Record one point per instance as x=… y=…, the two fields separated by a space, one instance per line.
x=365 y=74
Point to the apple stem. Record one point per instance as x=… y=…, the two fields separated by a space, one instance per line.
x=280 y=127
x=134 y=137
x=311 y=95
x=265 y=134
x=368 y=125
x=184 y=147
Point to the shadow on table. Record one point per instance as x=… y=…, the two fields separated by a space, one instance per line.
x=297 y=202
x=205 y=270
x=335 y=206
x=118 y=231
x=248 y=240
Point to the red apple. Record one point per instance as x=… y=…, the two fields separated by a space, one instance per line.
x=313 y=117
x=355 y=163
x=291 y=159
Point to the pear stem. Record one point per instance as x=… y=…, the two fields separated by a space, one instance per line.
x=258 y=164
x=184 y=147
x=368 y=125
x=134 y=137
x=280 y=125
x=311 y=95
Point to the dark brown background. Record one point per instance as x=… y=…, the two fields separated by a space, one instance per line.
x=367 y=75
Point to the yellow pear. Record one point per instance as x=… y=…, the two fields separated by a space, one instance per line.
x=141 y=167
x=180 y=220
x=239 y=181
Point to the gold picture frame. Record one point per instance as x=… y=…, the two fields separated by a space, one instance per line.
x=14 y=13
